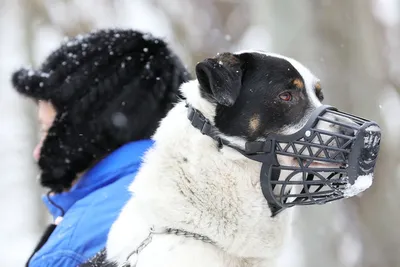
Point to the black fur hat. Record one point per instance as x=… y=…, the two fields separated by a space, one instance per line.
x=109 y=87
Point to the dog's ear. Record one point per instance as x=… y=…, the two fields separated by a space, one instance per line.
x=220 y=78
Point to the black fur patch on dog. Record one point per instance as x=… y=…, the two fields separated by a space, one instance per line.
x=99 y=260
x=252 y=87
x=109 y=87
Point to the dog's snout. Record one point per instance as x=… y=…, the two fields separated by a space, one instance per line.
x=346 y=131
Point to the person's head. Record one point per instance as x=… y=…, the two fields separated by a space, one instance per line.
x=96 y=93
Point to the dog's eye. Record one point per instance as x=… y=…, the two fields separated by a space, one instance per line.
x=285 y=96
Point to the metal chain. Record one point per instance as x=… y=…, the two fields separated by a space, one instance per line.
x=189 y=234
x=134 y=254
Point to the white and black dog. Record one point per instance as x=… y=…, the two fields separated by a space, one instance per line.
x=208 y=194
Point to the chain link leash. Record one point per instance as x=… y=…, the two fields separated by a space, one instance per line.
x=133 y=256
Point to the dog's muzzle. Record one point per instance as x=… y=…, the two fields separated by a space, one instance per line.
x=331 y=157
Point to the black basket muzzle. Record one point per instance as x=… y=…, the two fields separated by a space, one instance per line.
x=331 y=157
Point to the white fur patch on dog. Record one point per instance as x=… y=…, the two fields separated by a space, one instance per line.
x=186 y=183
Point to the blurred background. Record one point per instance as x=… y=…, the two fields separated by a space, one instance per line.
x=352 y=45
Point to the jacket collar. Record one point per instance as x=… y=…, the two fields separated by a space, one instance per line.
x=121 y=162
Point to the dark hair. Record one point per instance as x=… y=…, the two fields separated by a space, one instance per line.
x=109 y=87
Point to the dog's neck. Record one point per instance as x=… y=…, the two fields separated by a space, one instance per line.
x=188 y=183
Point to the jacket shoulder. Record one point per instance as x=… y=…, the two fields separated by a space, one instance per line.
x=85 y=226
x=95 y=215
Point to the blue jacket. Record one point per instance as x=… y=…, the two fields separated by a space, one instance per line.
x=91 y=206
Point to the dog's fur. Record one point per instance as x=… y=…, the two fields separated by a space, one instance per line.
x=188 y=182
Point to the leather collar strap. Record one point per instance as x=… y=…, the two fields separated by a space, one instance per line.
x=204 y=125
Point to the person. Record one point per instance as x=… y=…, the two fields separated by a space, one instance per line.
x=100 y=98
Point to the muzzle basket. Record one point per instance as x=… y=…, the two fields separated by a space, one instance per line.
x=331 y=157
x=321 y=164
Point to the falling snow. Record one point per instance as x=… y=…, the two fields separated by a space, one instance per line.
x=147 y=66
x=315 y=235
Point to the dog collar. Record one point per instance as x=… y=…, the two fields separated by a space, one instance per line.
x=255 y=150
x=200 y=122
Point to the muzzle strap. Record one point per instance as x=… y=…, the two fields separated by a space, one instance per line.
x=255 y=150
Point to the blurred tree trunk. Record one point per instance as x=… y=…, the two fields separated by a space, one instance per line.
x=360 y=76
x=206 y=27
x=342 y=43
x=378 y=208
x=20 y=193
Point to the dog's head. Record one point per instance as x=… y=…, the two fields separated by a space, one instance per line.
x=268 y=107
x=254 y=94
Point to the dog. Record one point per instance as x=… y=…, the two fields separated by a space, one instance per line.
x=197 y=202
